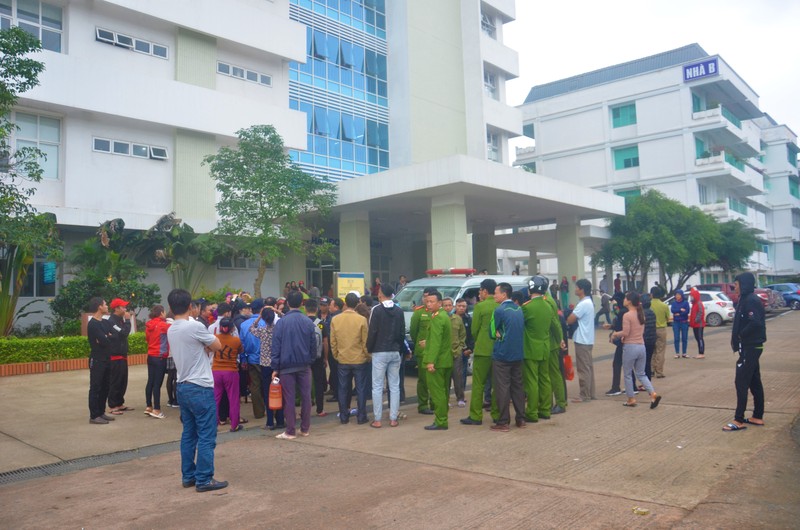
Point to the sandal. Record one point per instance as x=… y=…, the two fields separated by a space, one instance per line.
x=731 y=427
x=116 y=412
x=243 y=420
x=238 y=428
x=375 y=424
x=393 y=423
x=655 y=402
x=158 y=415
x=629 y=404
x=750 y=421
x=148 y=410
x=126 y=409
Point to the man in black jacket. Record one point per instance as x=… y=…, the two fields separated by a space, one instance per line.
x=99 y=361
x=748 y=336
x=120 y=323
x=386 y=343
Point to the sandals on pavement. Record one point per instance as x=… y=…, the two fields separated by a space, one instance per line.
x=148 y=410
x=626 y=404
x=750 y=421
x=731 y=427
x=158 y=415
x=375 y=424
x=655 y=402
x=285 y=436
x=393 y=423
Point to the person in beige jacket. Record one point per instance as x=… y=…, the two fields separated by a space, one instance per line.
x=349 y=348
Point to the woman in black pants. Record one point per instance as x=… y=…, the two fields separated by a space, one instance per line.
x=157 y=352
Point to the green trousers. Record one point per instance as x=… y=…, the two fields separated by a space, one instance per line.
x=557 y=379
x=481 y=373
x=536 y=381
x=438 y=386
x=423 y=393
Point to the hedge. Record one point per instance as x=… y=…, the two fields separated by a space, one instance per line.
x=15 y=350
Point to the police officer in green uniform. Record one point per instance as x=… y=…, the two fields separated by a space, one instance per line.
x=557 y=344
x=438 y=360
x=419 y=327
x=536 y=366
x=482 y=354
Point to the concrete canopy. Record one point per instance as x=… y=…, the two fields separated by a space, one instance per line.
x=495 y=197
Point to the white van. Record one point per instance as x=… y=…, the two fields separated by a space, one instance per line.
x=452 y=286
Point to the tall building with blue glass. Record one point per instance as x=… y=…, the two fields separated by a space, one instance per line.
x=342 y=87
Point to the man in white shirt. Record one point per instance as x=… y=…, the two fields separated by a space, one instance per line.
x=190 y=343
x=583 y=338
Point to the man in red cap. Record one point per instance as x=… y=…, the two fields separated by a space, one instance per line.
x=120 y=322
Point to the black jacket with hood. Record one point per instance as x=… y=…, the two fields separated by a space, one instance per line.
x=748 y=323
x=387 y=328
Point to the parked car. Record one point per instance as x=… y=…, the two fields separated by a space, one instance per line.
x=719 y=308
x=767 y=297
x=790 y=293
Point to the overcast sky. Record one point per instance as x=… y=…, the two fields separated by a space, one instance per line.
x=759 y=39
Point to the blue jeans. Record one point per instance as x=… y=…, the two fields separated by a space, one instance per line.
x=383 y=363
x=680 y=331
x=346 y=374
x=199 y=417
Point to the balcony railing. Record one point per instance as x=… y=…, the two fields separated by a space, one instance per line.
x=728 y=115
x=735 y=162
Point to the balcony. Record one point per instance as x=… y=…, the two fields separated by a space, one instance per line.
x=501 y=116
x=729 y=172
x=720 y=127
x=500 y=57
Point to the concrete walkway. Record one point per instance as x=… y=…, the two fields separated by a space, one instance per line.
x=586 y=468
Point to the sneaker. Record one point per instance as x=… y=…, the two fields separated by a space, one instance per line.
x=434 y=427
x=238 y=428
x=98 y=420
x=613 y=392
x=557 y=410
x=173 y=405
x=189 y=484
x=285 y=436
x=426 y=411
x=470 y=421
x=212 y=485
x=462 y=404
x=353 y=412
x=107 y=417
x=499 y=428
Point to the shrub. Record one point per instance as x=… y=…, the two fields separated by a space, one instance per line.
x=15 y=350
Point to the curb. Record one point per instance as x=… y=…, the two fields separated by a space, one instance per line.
x=61 y=365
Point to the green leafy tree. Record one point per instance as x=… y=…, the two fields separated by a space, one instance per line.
x=24 y=233
x=183 y=250
x=736 y=244
x=106 y=266
x=267 y=204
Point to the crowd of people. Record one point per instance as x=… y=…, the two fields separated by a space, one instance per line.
x=215 y=355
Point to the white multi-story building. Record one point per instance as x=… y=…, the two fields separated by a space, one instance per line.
x=135 y=93
x=402 y=102
x=682 y=122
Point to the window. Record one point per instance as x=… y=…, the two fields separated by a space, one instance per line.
x=124 y=148
x=490 y=84
x=239 y=261
x=794 y=188
x=487 y=25
x=626 y=157
x=796 y=248
x=702 y=192
x=527 y=130
x=792 y=156
x=700 y=148
x=796 y=218
x=737 y=206
x=128 y=42
x=40 y=280
x=492 y=146
x=629 y=194
x=244 y=73
x=624 y=115
x=43 y=21
x=697 y=103
x=44 y=134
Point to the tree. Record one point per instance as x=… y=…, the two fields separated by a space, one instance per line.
x=736 y=244
x=697 y=234
x=24 y=233
x=267 y=203
x=183 y=250
x=106 y=266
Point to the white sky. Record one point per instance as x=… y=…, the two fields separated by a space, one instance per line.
x=757 y=38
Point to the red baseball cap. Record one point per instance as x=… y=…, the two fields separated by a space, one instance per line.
x=118 y=302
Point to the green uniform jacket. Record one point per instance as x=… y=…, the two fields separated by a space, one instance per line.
x=458 y=335
x=556 y=334
x=419 y=327
x=481 y=320
x=538 y=320
x=438 y=347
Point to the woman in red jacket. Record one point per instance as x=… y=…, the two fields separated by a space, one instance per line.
x=155 y=333
x=697 y=321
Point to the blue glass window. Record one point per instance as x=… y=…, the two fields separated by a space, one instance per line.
x=384 y=159
x=320 y=45
x=334 y=4
x=381 y=66
x=333 y=72
x=348 y=127
x=333 y=48
x=359 y=128
x=335 y=148
x=383 y=134
x=347 y=151
x=307 y=108
x=358 y=82
x=346 y=54
x=372 y=63
x=344 y=6
x=347 y=77
x=361 y=154
x=334 y=124
x=320 y=121
x=358 y=58
x=358 y=10
x=382 y=89
x=372 y=85
x=320 y=145
x=319 y=68
x=373 y=156
x=373 y=138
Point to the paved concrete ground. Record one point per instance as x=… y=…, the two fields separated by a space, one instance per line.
x=586 y=468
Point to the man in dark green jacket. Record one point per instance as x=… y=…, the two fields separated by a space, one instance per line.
x=438 y=360
x=536 y=366
x=482 y=355
x=418 y=329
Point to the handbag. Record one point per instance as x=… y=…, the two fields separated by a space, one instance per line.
x=275 y=395
x=569 y=370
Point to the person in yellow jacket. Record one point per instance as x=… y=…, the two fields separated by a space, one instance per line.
x=438 y=360
x=418 y=329
x=482 y=354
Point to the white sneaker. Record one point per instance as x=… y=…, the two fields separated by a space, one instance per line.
x=285 y=436
x=461 y=404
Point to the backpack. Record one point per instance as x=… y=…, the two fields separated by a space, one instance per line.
x=318 y=334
